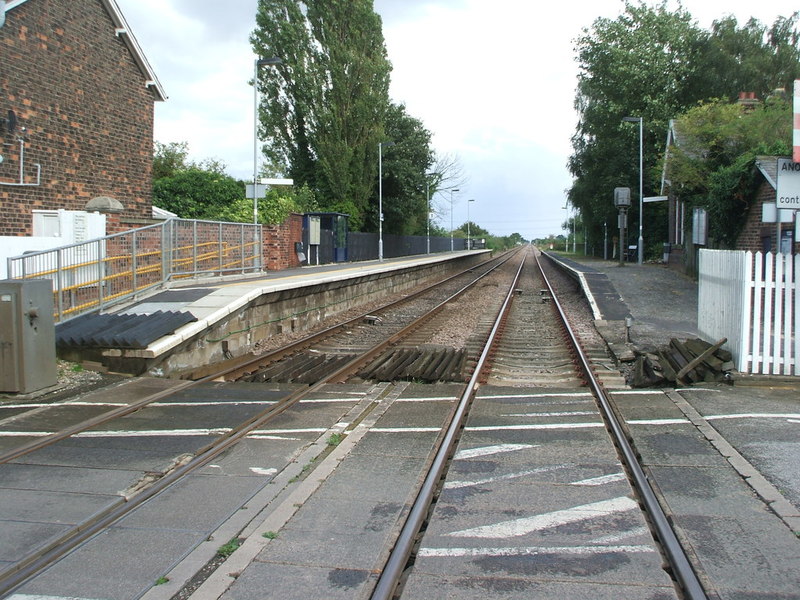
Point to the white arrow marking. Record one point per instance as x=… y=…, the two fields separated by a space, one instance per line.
x=602 y=480
x=517 y=527
x=454 y=485
x=489 y=450
x=261 y=471
x=530 y=551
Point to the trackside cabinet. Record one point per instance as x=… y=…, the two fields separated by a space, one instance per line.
x=27 y=336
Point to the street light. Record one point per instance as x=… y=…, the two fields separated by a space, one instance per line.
x=259 y=62
x=641 y=214
x=428 y=202
x=451 y=217
x=469 y=246
x=380 y=196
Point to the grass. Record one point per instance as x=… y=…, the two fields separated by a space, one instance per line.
x=227 y=549
x=162 y=580
x=335 y=439
x=270 y=535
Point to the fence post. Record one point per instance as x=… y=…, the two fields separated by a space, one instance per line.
x=746 y=289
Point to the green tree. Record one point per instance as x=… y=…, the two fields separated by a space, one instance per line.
x=169 y=158
x=324 y=105
x=635 y=65
x=656 y=64
x=194 y=193
x=404 y=181
x=713 y=166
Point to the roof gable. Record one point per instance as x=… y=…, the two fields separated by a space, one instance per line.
x=122 y=30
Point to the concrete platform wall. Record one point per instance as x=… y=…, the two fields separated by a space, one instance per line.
x=298 y=309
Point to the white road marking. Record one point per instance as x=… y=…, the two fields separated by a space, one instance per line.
x=616 y=537
x=563 y=395
x=530 y=551
x=429 y=399
x=792 y=421
x=517 y=527
x=405 y=429
x=37 y=597
x=262 y=471
x=754 y=416
x=490 y=450
x=577 y=413
x=535 y=426
x=602 y=480
x=454 y=485
x=658 y=422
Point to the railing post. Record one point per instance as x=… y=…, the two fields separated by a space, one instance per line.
x=99 y=276
x=60 y=284
x=241 y=247
x=194 y=247
x=134 y=262
x=219 y=248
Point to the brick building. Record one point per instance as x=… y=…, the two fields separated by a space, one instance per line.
x=76 y=111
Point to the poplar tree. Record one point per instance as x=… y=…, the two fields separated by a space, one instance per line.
x=323 y=108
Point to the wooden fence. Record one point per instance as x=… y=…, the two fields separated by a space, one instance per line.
x=753 y=300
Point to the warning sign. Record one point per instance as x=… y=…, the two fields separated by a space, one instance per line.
x=788 y=184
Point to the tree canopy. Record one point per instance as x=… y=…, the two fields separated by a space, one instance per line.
x=654 y=63
x=324 y=105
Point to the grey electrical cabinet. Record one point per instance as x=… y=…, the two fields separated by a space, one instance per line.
x=27 y=336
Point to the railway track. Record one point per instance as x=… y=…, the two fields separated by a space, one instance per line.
x=396 y=343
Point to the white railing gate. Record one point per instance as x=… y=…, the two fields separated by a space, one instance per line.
x=753 y=300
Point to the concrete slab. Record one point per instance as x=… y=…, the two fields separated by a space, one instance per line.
x=120 y=564
x=500 y=587
x=19 y=537
x=290 y=582
x=65 y=479
x=41 y=506
x=217 y=498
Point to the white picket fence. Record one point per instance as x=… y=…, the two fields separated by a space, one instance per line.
x=753 y=300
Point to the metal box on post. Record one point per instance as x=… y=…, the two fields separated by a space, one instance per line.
x=27 y=336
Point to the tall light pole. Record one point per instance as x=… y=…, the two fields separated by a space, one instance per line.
x=380 y=196
x=469 y=246
x=259 y=62
x=641 y=214
x=451 y=217
x=428 y=218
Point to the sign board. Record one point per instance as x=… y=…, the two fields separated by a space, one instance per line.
x=655 y=198
x=788 y=195
x=261 y=190
x=622 y=197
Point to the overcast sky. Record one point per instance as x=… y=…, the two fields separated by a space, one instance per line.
x=493 y=81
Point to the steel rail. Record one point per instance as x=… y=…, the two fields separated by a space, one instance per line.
x=679 y=563
x=228 y=370
x=30 y=566
x=392 y=571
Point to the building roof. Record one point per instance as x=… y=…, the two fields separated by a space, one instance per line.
x=768 y=165
x=122 y=30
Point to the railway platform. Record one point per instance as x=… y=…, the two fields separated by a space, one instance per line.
x=204 y=321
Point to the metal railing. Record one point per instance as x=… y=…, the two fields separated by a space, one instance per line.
x=98 y=273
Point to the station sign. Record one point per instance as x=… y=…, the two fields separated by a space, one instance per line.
x=788 y=192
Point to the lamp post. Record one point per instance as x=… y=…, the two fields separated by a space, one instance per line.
x=259 y=62
x=641 y=214
x=428 y=204
x=451 y=217
x=380 y=197
x=469 y=245
x=566 y=243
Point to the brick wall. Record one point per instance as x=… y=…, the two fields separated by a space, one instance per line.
x=754 y=231
x=279 y=243
x=88 y=114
